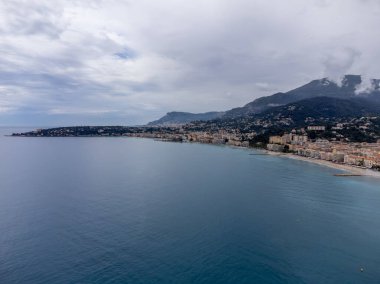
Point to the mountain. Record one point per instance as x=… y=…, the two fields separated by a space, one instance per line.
x=176 y=118
x=317 y=88
x=354 y=112
x=350 y=87
x=322 y=108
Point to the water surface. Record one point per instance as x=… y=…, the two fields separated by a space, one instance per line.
x=125 y=210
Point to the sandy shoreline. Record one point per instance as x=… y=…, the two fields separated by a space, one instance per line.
x=349 y=169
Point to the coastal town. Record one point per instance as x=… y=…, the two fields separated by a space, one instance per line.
x=365 y=155
x=304 y=142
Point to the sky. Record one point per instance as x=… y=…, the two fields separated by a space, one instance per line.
x=107 y=62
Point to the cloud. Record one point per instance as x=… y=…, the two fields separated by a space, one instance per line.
x=131 y=61
x=339 y=61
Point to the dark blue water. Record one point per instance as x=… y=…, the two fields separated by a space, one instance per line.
x=123 y=210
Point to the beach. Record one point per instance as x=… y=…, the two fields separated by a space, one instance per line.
x=350 y=169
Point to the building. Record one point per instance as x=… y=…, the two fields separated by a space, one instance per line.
x=316 y=128
x=275 y=147
x=299 y=139
x=275 y=140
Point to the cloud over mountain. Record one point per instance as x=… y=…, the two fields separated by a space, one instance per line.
x=127 y=62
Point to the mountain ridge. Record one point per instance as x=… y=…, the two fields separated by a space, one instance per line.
x=348 y=88
x=178 y=118
x=315 y=88
x=362 y=116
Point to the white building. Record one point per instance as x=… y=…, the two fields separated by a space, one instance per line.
x=316 y=128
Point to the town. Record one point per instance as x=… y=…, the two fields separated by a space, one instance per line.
x=307 y=142
x=366 y=155
x=297 y=142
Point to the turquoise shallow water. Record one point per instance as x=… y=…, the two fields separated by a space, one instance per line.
x=124 y=210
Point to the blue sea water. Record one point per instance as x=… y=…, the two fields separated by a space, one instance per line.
x=125 y=210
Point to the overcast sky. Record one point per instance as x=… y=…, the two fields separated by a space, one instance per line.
x=75 y=62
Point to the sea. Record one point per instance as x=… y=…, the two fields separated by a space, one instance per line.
x=130 y=210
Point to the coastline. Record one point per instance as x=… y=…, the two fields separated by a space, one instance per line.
x=342 y=167
x=350 y=170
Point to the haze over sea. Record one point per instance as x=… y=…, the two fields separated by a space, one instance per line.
x=125 y=210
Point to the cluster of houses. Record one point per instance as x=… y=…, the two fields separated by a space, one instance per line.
x=220 y=137
x=358 y=154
